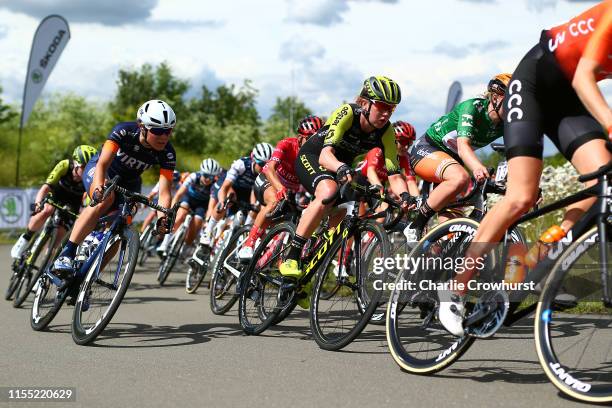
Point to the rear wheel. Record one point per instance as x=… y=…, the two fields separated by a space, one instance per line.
x=573 y=339
x=172 y=256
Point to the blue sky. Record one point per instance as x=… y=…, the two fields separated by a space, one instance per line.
x=327 y=46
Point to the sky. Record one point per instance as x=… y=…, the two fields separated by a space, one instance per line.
x=317 y=50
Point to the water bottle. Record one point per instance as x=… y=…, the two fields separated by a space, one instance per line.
x=538 y=251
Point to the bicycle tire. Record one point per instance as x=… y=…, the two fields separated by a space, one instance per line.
x=424 y=303
x=173 y=255
x=33 y=272
x=253 y=282
x=81 y=334
x=41 y=317
x=145 y=242
x=193 y=282
x=562 y=362
x=223 y=283
x=364 y=305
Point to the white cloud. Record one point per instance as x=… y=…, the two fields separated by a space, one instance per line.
x=301 y=50
x=323 y=12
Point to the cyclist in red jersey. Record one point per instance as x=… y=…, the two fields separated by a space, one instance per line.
x=278 y=177
x=553 y=91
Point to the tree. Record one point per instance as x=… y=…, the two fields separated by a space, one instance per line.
x=6 y=113
x=136 y=86
x=286 y=114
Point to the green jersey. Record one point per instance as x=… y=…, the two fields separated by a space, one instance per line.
x=469 y=119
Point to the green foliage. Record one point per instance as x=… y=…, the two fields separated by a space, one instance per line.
x=286 y=114
x=6 y=112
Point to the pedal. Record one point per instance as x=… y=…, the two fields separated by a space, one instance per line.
x=489 y=314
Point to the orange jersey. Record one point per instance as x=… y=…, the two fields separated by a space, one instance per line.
x=586 y=35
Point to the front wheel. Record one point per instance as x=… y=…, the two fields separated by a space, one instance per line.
x=346 y=292
x=417 y=341
x=197 y=272
x=173 y=254
x=223 y=293
x=573 y=338
x=103 y=289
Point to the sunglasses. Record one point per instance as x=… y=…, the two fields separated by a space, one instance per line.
x=383 y=106
x=160 y=131
x=260 y=162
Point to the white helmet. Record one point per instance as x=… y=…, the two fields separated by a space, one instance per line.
x=262 y=152
x=156 y=114
x=210 y=167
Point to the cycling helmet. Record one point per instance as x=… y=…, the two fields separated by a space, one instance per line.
x=499 y=83
x=262 y=152
x=381 y=88
x=404 y=132
x=176 y=176
x=210 y=167
x=83 y=153
x=309 y=125
x=156 y=114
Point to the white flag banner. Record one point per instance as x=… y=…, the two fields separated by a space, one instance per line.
x=454 y=96
x=49 y=41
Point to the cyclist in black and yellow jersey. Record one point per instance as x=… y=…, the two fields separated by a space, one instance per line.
x=324 y=161
x=65 y=183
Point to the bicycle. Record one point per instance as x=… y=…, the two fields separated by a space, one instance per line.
x=37 y=256
x=227 y=268
x=265 y=294
x=148 y=243
x=174 y=249
x=489 y=310
x=102 y=279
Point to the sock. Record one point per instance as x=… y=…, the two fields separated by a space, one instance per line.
x=254 y=235
x=28 y=235
x=210 y=225
x=69 y=249
x=425 y=213
x=249 y=219
x=296 y=246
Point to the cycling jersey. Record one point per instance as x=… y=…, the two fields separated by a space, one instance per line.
x=374 y=158
x=541 y=99
x=284 y=155
x=342 y=131
x=132 y=158
x=241 y=174
x=586 y=35
x=469 y=119
x=196 y=189
x=60 y=179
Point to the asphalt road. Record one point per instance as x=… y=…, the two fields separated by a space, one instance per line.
x=165 y=348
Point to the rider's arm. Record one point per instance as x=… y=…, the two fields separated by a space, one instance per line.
x=179 y=194
x=109 y=150
x=464 y=148
x=341 y=122
x=44 y=190
x=270 y=172
x=227 y=184
x=595 y=55
x=165 y=187
x=413 y=187
x=328 y=159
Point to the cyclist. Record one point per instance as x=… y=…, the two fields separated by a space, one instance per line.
x=239 y=178
x=177 y=180
x=449 y=144
x=324 y=160
x=130 y=149
x=277 y=178
x=554 y=91
x=65 y=183
x=193 y=195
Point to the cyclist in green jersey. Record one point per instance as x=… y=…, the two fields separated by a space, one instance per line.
x=65 y=183
x=449 y=144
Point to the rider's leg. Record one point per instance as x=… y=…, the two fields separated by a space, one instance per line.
x=36 y=222
x=148 y=219
x=196 y=225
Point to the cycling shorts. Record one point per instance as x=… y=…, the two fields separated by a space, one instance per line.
x=199 y=207
x=540 y=100
x=429 y=161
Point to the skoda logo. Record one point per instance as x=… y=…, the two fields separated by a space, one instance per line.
x=11 y=208
x=37 y=76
